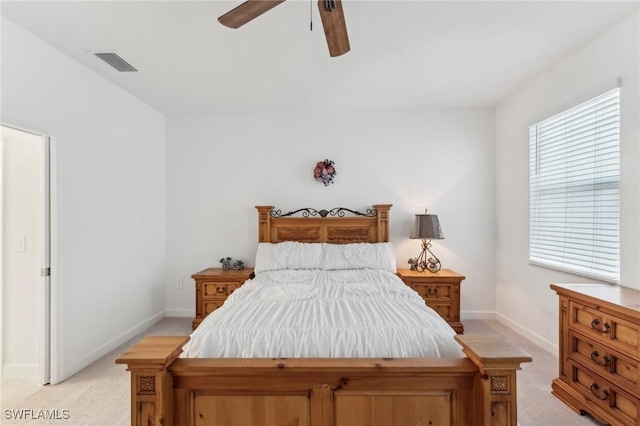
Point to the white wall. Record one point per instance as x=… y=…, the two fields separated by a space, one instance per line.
x=524 y=299
x=21 y=241
x=220 y=167
x=109 y=169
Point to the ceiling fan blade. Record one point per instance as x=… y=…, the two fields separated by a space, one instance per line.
x=335 y=28
x=247 y=11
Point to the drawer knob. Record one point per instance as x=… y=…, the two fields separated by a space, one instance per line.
x=220 y=289
x=594 y=390
x=432 y=291
x=594 y=357
x=596 y=323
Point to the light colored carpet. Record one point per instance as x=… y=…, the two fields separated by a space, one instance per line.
x=99 y=394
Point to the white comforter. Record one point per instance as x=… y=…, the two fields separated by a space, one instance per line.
x=327 y=314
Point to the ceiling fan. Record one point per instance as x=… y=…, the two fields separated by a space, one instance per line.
x=335 y=29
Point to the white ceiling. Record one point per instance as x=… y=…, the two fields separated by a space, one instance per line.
x=404 y=54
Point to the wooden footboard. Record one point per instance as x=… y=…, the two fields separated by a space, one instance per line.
x=477 y=390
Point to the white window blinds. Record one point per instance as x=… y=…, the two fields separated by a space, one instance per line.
x=574 y=189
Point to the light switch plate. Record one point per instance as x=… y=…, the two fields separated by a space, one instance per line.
x=22 y=244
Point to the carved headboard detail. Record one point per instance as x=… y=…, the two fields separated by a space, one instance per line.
x=324 y=226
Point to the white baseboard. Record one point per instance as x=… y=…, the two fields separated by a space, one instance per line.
x=477 y=315
x=545 y=344
x=21 y=371
x=111 y=345
x=180 y=313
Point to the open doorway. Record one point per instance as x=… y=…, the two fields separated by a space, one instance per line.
x=24 y=256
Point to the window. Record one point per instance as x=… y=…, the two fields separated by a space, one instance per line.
x=574 y=189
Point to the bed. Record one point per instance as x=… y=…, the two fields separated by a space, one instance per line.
x=458 y=380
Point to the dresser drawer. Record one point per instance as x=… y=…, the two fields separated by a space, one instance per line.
x=611 y=365
x=433 y=291
x=599 y=391
x=218 y=289
x=604 y=327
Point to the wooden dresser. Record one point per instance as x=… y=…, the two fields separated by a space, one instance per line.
x=599 y=351
x=440 y=291
x=213 y=286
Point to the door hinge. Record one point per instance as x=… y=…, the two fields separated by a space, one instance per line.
x=45 y=272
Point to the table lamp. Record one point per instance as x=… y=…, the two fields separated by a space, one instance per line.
x=426 y=227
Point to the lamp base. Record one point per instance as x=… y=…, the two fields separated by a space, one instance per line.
x=422 y=262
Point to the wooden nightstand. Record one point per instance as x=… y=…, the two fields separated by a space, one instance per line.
x=213 y=286
x=440 y=291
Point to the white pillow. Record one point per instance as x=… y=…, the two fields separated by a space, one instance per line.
x=287 y=255
x=358 y=256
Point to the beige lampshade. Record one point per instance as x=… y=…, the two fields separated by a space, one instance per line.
x=426 y=227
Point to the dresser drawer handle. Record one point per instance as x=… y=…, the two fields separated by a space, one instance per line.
x=220 y=289
x=594 y=390
x=594 y=357
x=432 y=291
x=596 y=322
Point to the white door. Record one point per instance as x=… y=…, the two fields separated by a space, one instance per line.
x=44 y=332
x=25 y=255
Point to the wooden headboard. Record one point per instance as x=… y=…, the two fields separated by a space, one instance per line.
x=337 y=226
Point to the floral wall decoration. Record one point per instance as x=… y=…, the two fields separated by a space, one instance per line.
x=324 y=172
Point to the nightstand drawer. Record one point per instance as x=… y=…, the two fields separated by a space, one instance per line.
x=435 y=291
x=218 y=289
x=444 y=310
x=604 y=327
x=439 y=290
x=212 y=305
x=213 y=286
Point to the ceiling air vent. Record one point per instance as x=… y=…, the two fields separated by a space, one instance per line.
x=115 y=61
